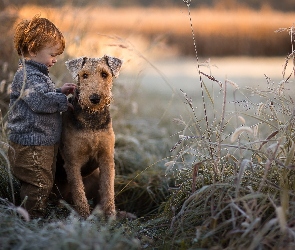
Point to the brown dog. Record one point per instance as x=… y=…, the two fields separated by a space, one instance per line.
x=87 y=145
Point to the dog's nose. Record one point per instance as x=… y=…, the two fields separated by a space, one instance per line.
x=94 y=98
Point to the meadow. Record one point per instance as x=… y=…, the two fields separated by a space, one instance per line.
x=216 y=171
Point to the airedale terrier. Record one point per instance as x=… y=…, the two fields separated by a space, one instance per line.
x=87 y=144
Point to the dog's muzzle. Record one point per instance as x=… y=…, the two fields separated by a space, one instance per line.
x=94 y=98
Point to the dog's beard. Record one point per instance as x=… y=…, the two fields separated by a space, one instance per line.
x=86 y=104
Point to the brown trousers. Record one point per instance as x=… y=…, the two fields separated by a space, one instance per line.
x=35 y=167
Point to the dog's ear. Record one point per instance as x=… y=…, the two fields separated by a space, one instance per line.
x=114 y=64
x=75 y=65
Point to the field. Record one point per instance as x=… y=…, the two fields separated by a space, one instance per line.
x=216 y=171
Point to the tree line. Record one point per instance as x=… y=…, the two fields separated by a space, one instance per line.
x=282 y=5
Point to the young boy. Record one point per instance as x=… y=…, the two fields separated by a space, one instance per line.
x=34 y=119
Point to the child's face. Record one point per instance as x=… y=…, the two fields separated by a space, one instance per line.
x=47 y=55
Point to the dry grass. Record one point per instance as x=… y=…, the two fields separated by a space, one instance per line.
x=235 y=190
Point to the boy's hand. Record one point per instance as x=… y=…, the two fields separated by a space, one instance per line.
x=68 y=88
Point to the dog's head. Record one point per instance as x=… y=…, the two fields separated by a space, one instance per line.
x=94 y=79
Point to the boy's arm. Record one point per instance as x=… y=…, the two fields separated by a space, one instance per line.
x=41 y=101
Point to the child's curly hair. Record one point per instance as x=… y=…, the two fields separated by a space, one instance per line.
x=33 y=35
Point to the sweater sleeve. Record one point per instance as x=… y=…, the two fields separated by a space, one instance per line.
x=41 y=98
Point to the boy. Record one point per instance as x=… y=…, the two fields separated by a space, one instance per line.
x=34 y=118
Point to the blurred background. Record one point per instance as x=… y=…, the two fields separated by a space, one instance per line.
x=235 y=39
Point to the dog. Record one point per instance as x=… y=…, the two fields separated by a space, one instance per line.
x=85 y=163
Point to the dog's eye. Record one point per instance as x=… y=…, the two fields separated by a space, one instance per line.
x=104 y=74
x=85 y=76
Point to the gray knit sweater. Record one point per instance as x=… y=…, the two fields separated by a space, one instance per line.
x=34 y=117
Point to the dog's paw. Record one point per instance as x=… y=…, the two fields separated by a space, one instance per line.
x=83 y=211
x=84 y=214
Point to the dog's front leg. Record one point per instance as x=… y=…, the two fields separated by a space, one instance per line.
x=77 y=188
x=106 y=184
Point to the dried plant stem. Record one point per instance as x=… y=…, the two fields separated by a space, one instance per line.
x=221 y=125
x=211 y=150
x=292 y=45
x=268 y=164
